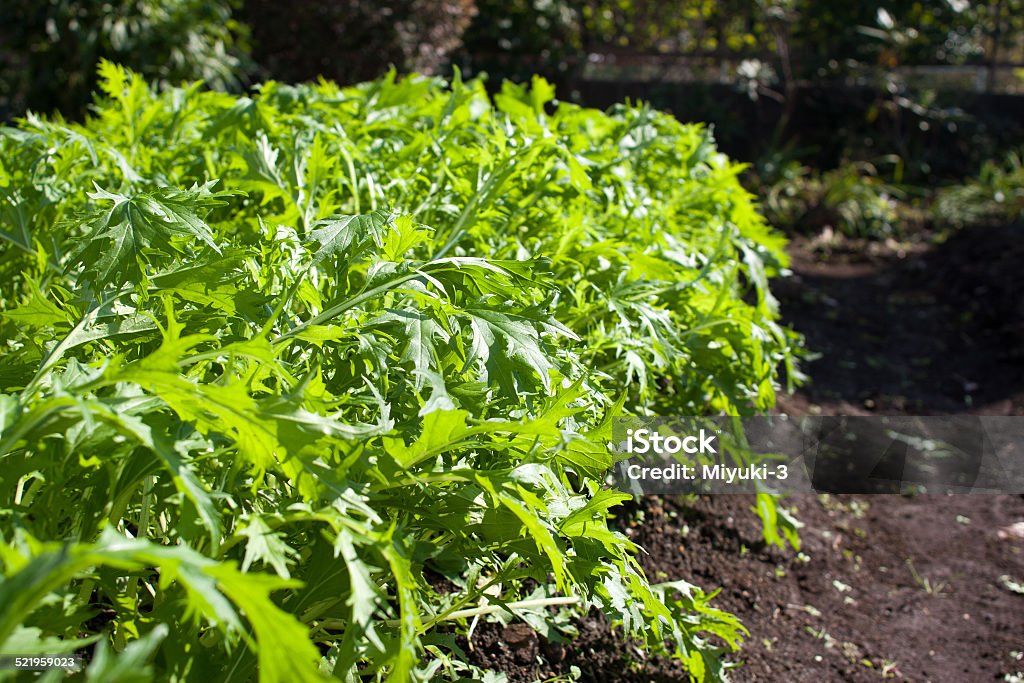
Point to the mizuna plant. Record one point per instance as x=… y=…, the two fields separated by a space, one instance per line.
x=318 y=379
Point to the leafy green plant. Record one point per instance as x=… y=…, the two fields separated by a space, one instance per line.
x=996 y=195
x=316 y=379
x=853 y=200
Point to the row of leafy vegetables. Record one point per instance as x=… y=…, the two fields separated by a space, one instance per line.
x=308 y=384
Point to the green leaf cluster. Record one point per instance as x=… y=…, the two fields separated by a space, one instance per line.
x=995 y=195
x=316 y=379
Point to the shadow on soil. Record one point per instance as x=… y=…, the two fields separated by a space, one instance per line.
x=913 y=330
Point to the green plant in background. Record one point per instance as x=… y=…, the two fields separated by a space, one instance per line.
x=316 y=379
x=852 y=199
x=996 y=195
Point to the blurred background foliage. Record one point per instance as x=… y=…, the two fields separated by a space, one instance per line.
x=50 y=49
x=848 y=112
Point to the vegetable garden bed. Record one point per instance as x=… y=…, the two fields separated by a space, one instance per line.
x=318 y=380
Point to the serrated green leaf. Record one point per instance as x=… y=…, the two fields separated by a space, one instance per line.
x=419 y=331
x=265 y=545
x=129 y=666
x=542 y=537
x=120 y=236
x=507 y=349
x=441 y=430
x=37 y=311
x=340 y=234
x=283 y=648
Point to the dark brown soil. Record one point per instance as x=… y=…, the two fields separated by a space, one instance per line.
x=907 y=588
x=917 y=329
x=885 y=584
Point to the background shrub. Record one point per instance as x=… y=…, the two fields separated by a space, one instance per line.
x=50 y=49
x=995 y=195
x=852 y=200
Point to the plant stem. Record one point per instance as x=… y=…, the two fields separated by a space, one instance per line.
x=473 y=612
x=521 y=604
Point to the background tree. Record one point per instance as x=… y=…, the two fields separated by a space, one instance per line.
x=354 y=40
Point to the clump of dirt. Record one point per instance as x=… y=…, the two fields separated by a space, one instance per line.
x=598 y=652
x=884 y=585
